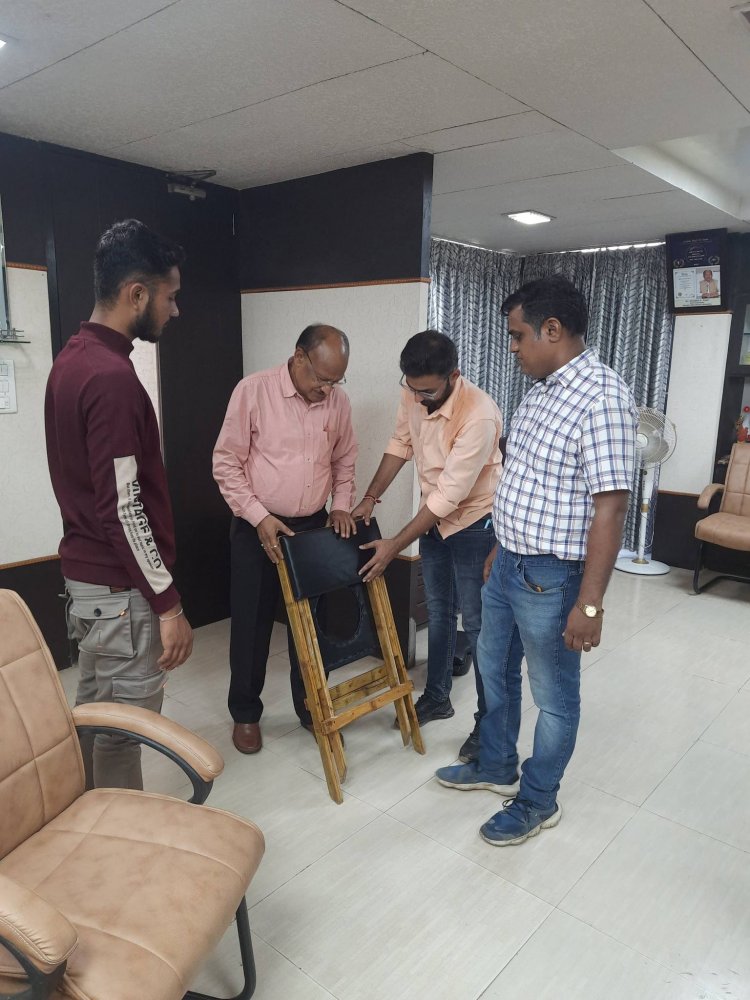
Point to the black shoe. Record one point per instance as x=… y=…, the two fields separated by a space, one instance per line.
x=462 y=665
x=469 y=752
x=429 y=710
x=462 y=658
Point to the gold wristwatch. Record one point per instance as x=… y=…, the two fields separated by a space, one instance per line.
x=590 y=610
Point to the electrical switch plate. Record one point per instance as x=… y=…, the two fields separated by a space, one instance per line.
x=7 y=387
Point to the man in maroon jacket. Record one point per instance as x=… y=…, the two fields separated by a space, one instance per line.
x=107 y=472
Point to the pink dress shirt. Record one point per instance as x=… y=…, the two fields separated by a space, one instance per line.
x=278 y=454
x=456 y=451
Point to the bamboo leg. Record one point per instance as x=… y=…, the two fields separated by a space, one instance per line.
x=332 y=740
x=416 y=732
x=311 y=669
x=392 y=649
x=380 y=615
x=381 y=611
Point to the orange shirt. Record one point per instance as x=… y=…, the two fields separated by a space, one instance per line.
x=456 y=451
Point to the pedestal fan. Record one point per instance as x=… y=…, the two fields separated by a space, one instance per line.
x=656 y=438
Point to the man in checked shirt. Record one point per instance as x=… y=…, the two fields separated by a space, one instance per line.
x=558 y=516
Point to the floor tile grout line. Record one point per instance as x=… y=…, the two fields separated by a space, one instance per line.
x=625 y=825
x=692 y=829
x=473 y=861
x=321 y=857
x=630 y=948
x=259 y=936
x=692 y=746
x=515 y=953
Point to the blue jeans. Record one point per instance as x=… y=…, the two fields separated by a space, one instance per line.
x=525 y=607
x=452 y=569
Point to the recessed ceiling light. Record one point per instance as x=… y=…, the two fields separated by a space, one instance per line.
x=2 y=42
x=529 y=218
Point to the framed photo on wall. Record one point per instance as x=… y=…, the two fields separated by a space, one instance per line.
x=697 y=270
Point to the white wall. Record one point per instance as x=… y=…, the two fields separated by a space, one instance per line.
x=378 y=319
x=145 y=358
x=696 y=383
x=30 y=525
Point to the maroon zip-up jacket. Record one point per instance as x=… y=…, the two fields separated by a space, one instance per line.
x=106 y=468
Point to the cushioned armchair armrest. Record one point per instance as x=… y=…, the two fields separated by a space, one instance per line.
x=37 y=934
x=708 y=494
x=198 y=759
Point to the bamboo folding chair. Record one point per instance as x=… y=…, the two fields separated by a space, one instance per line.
x=316 y=563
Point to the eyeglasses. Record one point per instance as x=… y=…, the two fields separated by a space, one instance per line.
x=332 y=383
x=422 y=392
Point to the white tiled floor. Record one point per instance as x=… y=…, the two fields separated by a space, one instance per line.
x=641 y=893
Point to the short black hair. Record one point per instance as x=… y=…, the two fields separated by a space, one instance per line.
x=429 y=352
x=547 y=297
x=316 y=333
x=130 y=251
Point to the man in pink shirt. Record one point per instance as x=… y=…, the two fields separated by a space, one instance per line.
x=452 y=430
x=285 y=447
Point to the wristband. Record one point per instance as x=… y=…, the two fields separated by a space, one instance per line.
x=171 y=618
x=369 y=496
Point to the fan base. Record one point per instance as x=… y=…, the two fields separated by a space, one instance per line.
x=646 y=568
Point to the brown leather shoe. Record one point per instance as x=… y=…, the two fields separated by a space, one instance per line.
x=246 y=737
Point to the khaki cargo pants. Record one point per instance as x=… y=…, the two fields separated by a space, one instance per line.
x=118 y=647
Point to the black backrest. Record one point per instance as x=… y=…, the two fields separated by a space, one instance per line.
x=320 y=561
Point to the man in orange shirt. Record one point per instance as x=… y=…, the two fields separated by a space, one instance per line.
x=452 y=430
x=286 y=446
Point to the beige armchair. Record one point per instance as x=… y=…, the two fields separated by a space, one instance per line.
x=730 y=526
x=108 y=894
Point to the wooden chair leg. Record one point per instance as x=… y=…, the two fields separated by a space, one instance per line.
x=380 y=614
x=391 y=647
x=311 y=667
x=319 y=702
x=334 y=745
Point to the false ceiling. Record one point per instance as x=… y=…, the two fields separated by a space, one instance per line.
x=622 y=119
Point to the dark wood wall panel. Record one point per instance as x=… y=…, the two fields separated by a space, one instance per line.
x=25 y=200
x=56 y=202
x=674 y=529
x=366 y=223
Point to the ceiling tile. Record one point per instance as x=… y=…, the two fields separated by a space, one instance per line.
x=42 y=33
x=192 y=61
x=610 y=69
x=530 y=156
x=592 y=207
x=479 y=133
x=375 y=106
x=718 y=36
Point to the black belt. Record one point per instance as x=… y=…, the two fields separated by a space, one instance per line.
x=292 y=522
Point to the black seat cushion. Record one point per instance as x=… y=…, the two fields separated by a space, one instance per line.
x=320 y=561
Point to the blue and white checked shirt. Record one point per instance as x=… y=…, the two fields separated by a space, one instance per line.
x=573 y=435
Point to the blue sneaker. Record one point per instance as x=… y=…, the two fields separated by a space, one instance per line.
x=467 y=777
x=517 y=822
